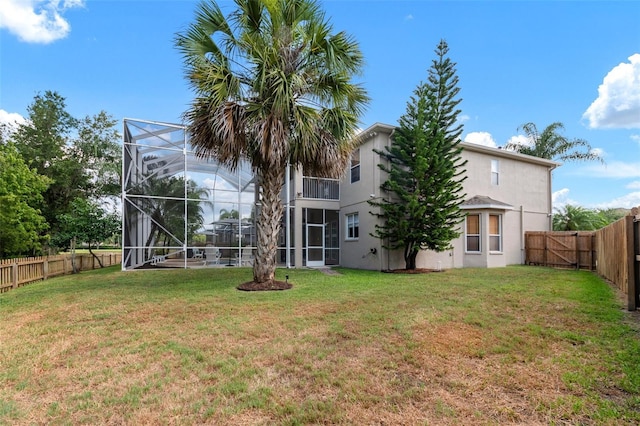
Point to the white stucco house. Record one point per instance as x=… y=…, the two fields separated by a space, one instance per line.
x=329 y=221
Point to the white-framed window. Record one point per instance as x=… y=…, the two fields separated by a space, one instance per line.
x=353 y=226
x=495 y=232
x=495 y=172
x=472 y=234
x=355 y=166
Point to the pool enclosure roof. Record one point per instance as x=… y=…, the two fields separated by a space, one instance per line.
x=166 y=145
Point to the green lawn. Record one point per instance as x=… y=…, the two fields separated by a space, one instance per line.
x=520 y=345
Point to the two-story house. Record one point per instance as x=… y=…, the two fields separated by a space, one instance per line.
x=180 y=208
x=506 y=194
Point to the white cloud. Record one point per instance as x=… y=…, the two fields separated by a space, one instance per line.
x=626 y=202
x=635 y=138
x=560 y=198
x=408 y=17
x=11 y=118
x=633 y=185
x=462 y=118
x=480 y=138
x=599 y=152
x=560 y=195
x=37 y=21
x=520 y=140
x=618 y=102
x=614 y=169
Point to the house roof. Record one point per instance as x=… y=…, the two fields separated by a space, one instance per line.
x=499 y=152
x=483 y=202
x=376 y=128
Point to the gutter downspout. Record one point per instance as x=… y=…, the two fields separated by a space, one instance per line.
x=522 y=252
x=123 y=197
x=550 y=213
x=288 y=216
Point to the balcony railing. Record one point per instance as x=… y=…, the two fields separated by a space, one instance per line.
x=324 y=189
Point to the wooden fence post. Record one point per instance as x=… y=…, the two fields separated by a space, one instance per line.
x=631 y=262
x=636 y=255
x=45 y=268
x=14 y=273
x=577 y=242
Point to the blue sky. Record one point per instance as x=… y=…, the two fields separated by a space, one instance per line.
x=576 y=62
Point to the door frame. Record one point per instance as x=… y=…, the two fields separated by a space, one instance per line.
x=315 y=263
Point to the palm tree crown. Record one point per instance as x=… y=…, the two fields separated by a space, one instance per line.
x=273 y=86
x=550 y=144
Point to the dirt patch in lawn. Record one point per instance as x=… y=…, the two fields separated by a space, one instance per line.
x=265 y=286
x=413 y=271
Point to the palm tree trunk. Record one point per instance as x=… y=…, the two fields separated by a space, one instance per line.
x=271 y=181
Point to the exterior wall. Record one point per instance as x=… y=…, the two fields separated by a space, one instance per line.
x=366 y=252
x=524 y=184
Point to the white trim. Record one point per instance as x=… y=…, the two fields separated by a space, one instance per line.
x=500 y=234
x=467 y=235
x=486 y=207
x=355 y=215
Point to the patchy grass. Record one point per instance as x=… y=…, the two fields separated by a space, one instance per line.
x=514 y=345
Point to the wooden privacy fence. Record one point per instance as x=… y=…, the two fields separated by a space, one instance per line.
x=613 y=252
x=18 y=272
x=566 y=249
x=618 y=252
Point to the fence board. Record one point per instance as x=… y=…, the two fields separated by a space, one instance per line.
x=560 y=249
x=18 y=272
x=613 y=251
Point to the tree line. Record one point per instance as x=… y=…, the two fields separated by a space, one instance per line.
x=59 y=179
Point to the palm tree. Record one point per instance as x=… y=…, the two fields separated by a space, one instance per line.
x=229 y=214
x=550 y=144
x=273 y=86
x=576 y=218
x=167 y=213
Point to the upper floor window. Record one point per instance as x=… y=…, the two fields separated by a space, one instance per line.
x=495 y=172
x=473 y=233
x=355 y=166
x=495 y=232
x=353 y=226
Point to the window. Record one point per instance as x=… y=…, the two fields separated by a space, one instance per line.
x=353 y=226
x=495 y=232
x=473 y=233
x=355 y=166
x=495 y=172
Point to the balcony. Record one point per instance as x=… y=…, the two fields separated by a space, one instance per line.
x=322 y=189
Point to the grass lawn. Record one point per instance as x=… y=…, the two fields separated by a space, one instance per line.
x=525 y=345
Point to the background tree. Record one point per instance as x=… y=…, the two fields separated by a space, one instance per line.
x=167 y=212
x=273 y=86
x=88 y=223
x=97 y=147
x=613 y=214
x=552 y=145
x=22 y=226
x=229 y=214
x=577 y=218
x=425 y=170
x=80 y=157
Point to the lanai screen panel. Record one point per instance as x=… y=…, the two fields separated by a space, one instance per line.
x=175 y=205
